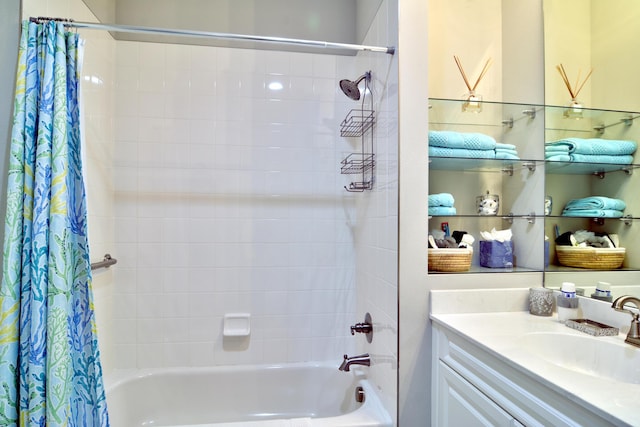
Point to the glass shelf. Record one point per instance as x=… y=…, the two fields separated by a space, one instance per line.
x=485 y=104
x=505 y=217
x=589 y=120
x=553 y=268
x=577 y=168
x=495 y=116
x=611 y=117
x=481 y=165
x=480 y=269
x=592 y=217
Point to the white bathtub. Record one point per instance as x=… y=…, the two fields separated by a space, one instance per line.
x=292 y=395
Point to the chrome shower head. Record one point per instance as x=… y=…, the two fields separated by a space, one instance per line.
x=351 y=88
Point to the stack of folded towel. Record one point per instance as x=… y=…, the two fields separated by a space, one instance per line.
x=461 y=144
x=591 y=150
x=470 y=145
x=441 y=204
x=595 y=206
x=506 y=151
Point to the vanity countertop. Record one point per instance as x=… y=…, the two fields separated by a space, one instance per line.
x=501 y=333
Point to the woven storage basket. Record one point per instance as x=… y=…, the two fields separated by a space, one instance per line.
x=450 y=259
x=593 y=258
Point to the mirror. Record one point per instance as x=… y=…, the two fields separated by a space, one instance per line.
x=593 y=34
x=601 y=35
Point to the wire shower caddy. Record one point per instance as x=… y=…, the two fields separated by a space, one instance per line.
x=357 y=124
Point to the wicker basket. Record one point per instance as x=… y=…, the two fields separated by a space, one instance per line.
x=450 y=259
x=592 y=258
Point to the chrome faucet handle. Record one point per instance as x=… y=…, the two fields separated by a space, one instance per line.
x=365 y=327
x=633 y=337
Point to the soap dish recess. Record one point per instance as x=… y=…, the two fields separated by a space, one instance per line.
x=592 y=327
x=237 y=325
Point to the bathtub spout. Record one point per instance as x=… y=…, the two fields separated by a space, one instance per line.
x=362 y=359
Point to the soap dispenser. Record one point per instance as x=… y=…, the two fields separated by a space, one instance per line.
x=567 y=302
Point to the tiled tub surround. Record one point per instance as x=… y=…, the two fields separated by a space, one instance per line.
x=494 y=322
x=228 y=199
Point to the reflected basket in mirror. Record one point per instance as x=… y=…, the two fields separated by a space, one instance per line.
x=590 y=257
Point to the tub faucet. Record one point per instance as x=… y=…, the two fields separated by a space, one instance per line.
x=362 y=359
x=633 y=337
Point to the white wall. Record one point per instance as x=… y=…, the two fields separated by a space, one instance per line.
x=593 y=34
x=472 y=31
x=376 y=230
x=414 y=338
x=572 y=49
x=228 y=199
x=614 y=35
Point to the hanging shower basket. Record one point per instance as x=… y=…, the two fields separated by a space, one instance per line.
x=356 y=123
x=357 y=163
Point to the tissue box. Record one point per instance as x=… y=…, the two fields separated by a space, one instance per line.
x=494 y=254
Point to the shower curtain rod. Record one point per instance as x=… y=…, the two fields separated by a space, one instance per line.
x=226 y=36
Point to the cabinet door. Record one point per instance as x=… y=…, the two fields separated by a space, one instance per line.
x=461 y=404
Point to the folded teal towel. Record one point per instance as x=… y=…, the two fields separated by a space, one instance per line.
x=596 y=202
x=594 y=213
x=460 y=152
x=464 y=140
x=584 y=158
x=504 y=150
x=503 y=155
x=596 y=146
x=558 y=158
x=442 y=210
x=601 y=158
x=501 y=146
x=441 y=199
x=556 y=149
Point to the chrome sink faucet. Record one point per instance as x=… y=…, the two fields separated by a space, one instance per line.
x=362 y=359
x=633 y=337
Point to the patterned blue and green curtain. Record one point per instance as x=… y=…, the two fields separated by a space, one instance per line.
x=50 y=372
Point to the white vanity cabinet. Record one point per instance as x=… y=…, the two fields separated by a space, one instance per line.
x=473 y=386
x=462 y=404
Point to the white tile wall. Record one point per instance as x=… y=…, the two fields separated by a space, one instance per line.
x=376 y=234
x=228 y=198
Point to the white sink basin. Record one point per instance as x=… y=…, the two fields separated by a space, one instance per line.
x=602 y=357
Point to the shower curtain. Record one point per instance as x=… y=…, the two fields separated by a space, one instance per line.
x=50 y=371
